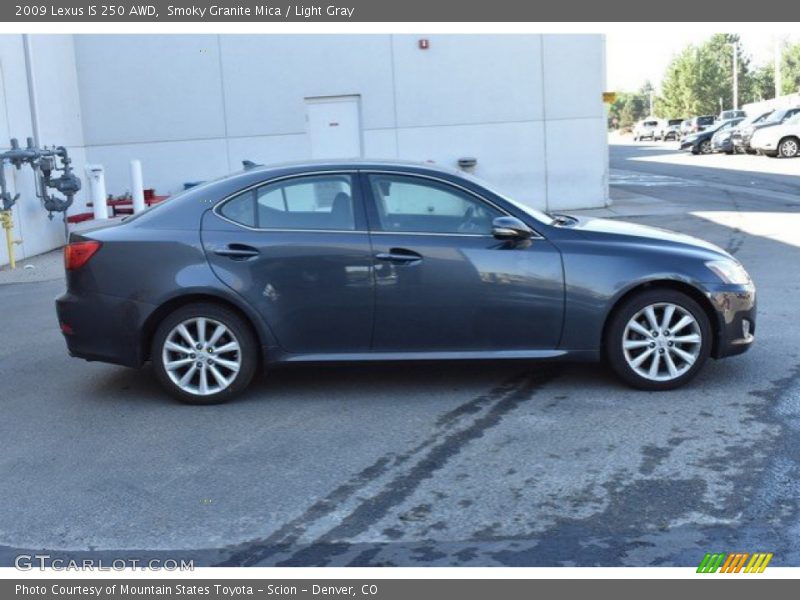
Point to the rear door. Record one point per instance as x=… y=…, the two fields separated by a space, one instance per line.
x=444 y=283
x=298 y=252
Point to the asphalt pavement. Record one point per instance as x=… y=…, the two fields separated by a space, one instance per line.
x=432 y=464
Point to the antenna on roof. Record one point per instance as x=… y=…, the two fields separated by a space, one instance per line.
x=249 y=164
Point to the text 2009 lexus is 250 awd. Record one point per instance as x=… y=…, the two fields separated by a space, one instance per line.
x=361 y=261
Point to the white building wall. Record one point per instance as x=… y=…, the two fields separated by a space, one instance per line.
x=528 y=107
x=192 y=107
x=59 y=123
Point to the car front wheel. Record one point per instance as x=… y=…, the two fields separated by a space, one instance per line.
x=204 y=354
x=705 y=147
x=658 y=340
x=789 y=148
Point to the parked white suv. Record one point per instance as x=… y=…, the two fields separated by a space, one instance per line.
x=646 y=129
x=780 y=140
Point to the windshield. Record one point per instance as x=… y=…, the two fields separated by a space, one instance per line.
x=775 y=117
x=170 y=198
x=723 y=125
x=529 y=210
x=753 y=119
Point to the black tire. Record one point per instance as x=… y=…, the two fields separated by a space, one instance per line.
x=625 y=312
x=789 y=147
x=705 y=147
x=249 y=354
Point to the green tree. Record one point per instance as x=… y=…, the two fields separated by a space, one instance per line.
x=700 y=76
x=763 y=83
x=790 y=69
x=629 y=107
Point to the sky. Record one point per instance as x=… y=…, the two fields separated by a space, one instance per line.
x=633 y=58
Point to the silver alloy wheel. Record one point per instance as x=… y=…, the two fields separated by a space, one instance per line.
x=789 y=148
x=201 y=356
x=705 y=147
x=662 y=341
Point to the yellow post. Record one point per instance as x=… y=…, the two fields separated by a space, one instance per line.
x=8 y=225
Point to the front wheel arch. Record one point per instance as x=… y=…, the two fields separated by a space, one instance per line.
x=667 y=284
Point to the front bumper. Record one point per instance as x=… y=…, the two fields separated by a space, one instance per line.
x=761 y=145
x=735 y=308
x=722 y=146
x=688 y=145
x=102 y=327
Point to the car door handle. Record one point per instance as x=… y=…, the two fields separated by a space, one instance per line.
x=237 y=251
x=399 y=255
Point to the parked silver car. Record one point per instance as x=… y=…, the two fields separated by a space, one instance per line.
x=646 y=129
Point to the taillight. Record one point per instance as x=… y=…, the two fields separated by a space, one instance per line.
x=78 y=254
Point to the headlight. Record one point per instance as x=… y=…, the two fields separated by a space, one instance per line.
x=729 y=271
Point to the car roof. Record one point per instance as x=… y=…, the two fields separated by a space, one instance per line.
x=349 y=164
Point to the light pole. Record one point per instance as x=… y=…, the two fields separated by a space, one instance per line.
x=735 y=76
x=777 y=59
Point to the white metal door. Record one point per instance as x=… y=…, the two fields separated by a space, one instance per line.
x=334 y=127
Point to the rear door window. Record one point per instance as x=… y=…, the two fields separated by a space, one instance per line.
x=314 y=202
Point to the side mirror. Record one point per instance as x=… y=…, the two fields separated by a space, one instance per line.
x=510 y=228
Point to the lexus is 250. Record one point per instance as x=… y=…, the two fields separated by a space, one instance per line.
x=370 y=261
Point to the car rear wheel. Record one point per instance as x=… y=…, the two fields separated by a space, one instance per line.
x=789 y=148
x=204 y=354
x=658 y=340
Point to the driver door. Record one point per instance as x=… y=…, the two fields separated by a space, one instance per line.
x=443 y=283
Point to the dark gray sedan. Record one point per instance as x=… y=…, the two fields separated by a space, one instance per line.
x=364 y=261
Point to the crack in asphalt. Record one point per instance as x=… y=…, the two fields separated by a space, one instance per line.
x=736 y=237
x=773 y=514
x=404 y=472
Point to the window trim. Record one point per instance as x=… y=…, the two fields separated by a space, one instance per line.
x=354 y=186
x=365 y=198
x=371 y=201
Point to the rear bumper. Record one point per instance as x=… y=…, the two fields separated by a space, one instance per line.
x=103 y=328
x=735 y=307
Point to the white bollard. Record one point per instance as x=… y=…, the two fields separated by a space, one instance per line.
x=137 y=186
x=97 y=182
